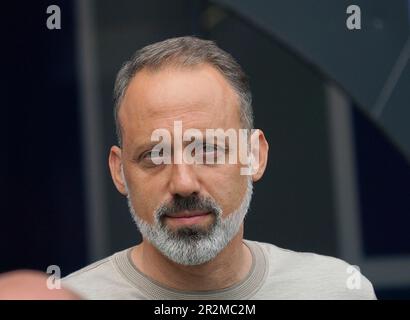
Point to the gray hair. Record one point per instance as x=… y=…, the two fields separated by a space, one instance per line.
x=185 y=51
x=192 y=246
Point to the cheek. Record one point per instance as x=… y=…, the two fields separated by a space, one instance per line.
x=144 y=199
x=227 y=187
x=235 y=196
x=141 y=206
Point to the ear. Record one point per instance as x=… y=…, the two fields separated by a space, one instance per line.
x=259 y=153
x=116 y=169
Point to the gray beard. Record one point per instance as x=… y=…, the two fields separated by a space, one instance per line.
x=190 y=245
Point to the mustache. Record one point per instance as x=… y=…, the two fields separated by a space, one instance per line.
x=190 y=203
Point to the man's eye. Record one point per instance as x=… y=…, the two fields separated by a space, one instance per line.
x=152 y=155
x=207 y=148
x=147 y=155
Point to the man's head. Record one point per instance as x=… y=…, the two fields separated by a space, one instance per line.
x=185 y=52
x=193 y=81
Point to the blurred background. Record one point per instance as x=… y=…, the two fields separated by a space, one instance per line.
x=334 y=104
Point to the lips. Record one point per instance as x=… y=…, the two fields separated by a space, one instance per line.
x=188 y=214
x=188 y=218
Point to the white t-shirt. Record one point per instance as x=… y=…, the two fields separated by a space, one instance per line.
x=275 y=274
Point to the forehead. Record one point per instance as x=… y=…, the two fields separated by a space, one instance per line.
x=198 y=96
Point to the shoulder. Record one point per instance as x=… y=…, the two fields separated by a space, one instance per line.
x=93 y=270
x=98 y=280
x=313 y=276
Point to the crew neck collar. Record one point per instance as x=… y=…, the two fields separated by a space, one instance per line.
x=244 y=289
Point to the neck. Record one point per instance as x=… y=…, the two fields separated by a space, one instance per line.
x=229 y=267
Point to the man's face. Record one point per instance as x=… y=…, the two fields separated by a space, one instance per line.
x=200 y=98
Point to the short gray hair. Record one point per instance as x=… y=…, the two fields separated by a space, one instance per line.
x=185 y=51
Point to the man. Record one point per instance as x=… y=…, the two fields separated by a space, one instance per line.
x=190 y=213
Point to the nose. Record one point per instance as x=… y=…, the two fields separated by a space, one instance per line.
x=183 y=180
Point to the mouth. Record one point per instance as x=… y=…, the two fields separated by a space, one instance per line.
x=188 y=217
